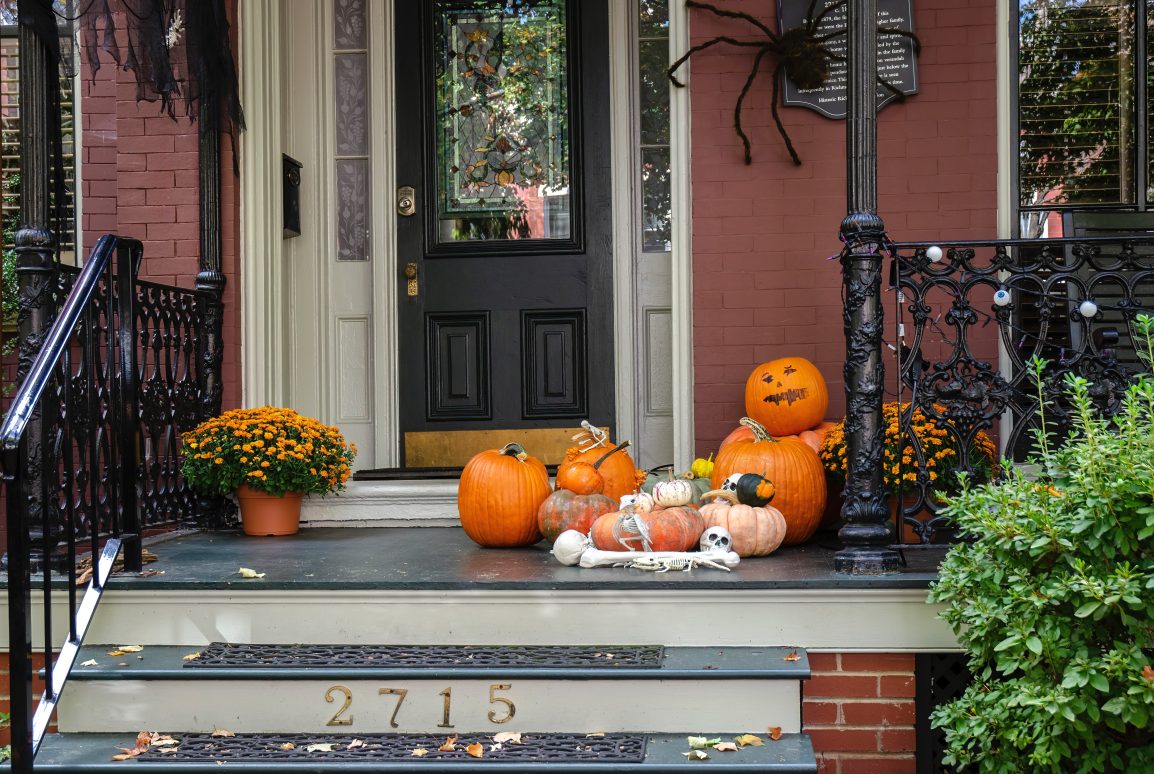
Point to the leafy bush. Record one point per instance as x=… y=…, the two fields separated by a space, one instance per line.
x=1054 y=600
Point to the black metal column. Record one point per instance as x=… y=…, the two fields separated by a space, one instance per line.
x=36 y=284
x=211 y=280
x=866 y=533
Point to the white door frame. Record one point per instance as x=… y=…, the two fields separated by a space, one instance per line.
x=262 y=276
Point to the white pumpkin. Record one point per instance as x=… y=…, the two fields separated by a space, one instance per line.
x=670 y=494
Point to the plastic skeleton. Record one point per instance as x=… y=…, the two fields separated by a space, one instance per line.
x=667 y=563
x=573 y=548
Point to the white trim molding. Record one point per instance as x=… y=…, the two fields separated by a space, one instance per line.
x=682 y=227
x=261 y=274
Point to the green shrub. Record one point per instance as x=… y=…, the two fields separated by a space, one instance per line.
x=1054 y=600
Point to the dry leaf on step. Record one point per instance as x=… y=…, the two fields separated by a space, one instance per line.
x=419 y=752
x=191 y=656
x=222 y=732
x=512 y=737
x=288 y=746
x=749 y=740
x=89 y=662
x=792 y=656
x=696 y=755
x=775 y=733
x=725 y=747
x=245 y=572
x=449 y=745
x=595 y=733
x=320 y=747
x=130 y=648
x=355 y=744
x=701 y=743
x=476 y=750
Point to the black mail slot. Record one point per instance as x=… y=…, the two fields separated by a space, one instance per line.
x=291 y=178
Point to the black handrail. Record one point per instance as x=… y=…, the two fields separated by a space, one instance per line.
x=29 y=501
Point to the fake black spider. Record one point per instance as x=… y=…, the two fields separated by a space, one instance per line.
x=801 y=54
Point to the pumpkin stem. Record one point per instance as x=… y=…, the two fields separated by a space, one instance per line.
x=759 y=432
x=720 y=494
x=610 y=453
x=515 y=450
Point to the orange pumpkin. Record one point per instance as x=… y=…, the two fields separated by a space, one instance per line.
x=756 y=531
x=786 y=395
x=795 y=470
x=669 y=529
x=617 y=468
x=565 y=509
x=812 y=437
x=499 y=495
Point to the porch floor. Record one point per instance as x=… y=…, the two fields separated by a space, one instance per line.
x=444 y=558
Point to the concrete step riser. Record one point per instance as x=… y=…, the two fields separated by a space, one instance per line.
x=488 y=706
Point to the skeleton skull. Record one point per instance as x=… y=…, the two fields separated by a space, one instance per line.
x=628 y=501
x=730 y=483
x=716 y=539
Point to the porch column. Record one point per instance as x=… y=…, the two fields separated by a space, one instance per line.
x=866 y=533
x=213 y=512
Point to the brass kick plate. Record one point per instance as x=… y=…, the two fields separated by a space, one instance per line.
x=453 y=448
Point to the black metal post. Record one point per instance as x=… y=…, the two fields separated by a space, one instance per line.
x=866 y=533
x=210 y=280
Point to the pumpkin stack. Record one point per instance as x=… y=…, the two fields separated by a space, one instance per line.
x=666 y=520
x=579 y=498
x=785 y=403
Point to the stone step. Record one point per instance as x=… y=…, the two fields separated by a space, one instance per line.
x=435 y=689
x=546 y=754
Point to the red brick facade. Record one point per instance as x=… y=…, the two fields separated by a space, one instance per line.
x=762 y=287
x=858 y=708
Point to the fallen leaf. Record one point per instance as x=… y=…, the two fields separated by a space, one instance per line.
x=191 y=656
x=476 y=750
x=775 y=733
x=513 y=737
x=449 y=745
x=701 y=743
x=595 y=733
x=130 y=648
x=89 y=662
x=792 y=656
x=496 y=746
x=321 y=747
x=116 y=653
x=163 y=741
x=288 y=746
x=696 y=755
x=245 y=572
x=143 y=739
x=355 y=744
x=725 y=747
x=218 y=732
x=420 y=752
x=123 y=663
x=749 y=740
x=126 y=755
x=81 y=579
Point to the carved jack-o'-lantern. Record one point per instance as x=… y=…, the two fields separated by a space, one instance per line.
x=786 y=396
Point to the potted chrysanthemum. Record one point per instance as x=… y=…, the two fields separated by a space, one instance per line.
x=269 y=458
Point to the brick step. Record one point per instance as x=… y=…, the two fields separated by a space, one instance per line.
x=550 y=753
x=585 y=689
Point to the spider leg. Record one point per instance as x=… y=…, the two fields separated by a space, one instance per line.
x=741 y=99
x=734 y=15
x=701 y=47
x=893 y=89
x=828 y=35
x=777 y=118
x=903 y=33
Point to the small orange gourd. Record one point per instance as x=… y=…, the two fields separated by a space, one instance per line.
x=499 y=495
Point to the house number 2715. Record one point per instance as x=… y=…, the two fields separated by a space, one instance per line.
x=502 y=710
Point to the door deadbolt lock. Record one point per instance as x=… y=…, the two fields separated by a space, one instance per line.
x=406 y=201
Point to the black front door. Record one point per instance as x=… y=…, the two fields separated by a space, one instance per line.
x=503 y=210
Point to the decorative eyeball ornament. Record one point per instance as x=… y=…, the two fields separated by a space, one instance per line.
x=670 y=494
x=1088 y=308
x=1002 y=297
x=934 y=253
x=638 y=502
x=569 y=546
x=716 y=539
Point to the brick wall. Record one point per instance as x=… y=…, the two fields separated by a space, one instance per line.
x=858 y=708
x=761 y=233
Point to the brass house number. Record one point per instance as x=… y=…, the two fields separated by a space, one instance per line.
x=502 y=710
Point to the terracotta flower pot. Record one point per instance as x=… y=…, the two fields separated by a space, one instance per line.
x=265 y=514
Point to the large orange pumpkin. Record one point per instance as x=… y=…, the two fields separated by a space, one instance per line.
x=499 y=495
x=565 y=509
x=617 y=469
x=669 y=529
x=756 y=531
x=812 y=437
x=786 y=395
x=794 y=468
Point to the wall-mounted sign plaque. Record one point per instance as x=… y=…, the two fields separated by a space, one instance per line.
x=897 y=63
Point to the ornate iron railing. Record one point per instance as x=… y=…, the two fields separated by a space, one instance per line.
x=90 y=451
x=970 y=318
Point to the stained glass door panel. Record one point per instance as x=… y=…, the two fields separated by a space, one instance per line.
x=502 y=103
